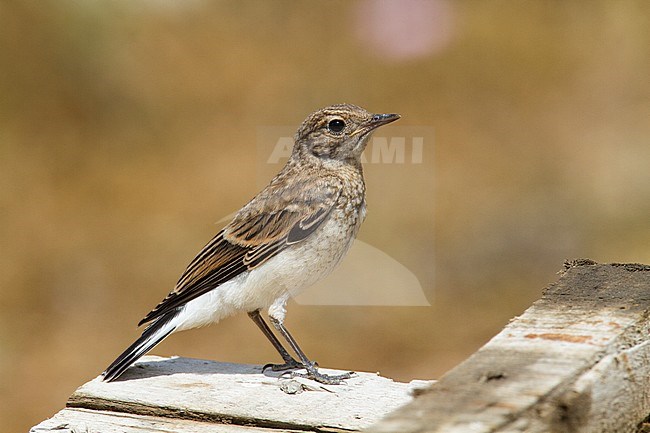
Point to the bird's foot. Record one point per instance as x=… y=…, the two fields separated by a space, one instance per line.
x=327 y=379
x=290 y=364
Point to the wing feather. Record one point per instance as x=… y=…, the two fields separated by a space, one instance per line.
x=263 y=228
x=217 y=262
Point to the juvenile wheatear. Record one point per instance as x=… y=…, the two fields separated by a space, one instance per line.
x=289 y=236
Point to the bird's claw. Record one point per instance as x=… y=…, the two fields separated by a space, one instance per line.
x=323 y=378
x=311 y=369
x=289 y=365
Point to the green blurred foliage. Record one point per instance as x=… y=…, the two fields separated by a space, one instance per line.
x=127 y=128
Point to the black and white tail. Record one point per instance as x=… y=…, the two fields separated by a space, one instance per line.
x=152 y=335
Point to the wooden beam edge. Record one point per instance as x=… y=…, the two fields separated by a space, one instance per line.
x=583 y=402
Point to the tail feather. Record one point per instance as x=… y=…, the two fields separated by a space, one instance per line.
x=152 y=335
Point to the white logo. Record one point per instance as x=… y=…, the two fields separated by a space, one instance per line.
x=380 y=150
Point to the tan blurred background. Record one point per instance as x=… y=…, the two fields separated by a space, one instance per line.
x=127 y=128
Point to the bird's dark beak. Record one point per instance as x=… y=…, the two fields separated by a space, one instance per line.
x=382 y=119
x=375 y=122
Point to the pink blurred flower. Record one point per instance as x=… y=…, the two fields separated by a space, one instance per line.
x=405 y=29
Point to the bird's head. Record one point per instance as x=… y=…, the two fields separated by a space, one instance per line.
x=338 y=132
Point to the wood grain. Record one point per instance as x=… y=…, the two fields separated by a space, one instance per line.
x=220 y=394
x=577 y=360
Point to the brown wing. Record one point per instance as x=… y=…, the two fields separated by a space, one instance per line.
x=263 y=228
x=267 y=233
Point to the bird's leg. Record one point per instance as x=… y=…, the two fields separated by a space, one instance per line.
x=289 y=362
x=311 y=367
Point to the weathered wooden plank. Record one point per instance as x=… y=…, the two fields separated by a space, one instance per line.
x=576 y=361
x=238 y=394
x=95 y=421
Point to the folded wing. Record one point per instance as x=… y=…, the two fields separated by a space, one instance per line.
x=271 y=222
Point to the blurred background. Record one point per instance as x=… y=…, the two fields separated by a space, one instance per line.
x=128 y=128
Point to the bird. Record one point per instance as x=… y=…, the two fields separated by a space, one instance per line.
x=289 y=236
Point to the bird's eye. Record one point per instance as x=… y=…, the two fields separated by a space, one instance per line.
x=336 y=125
